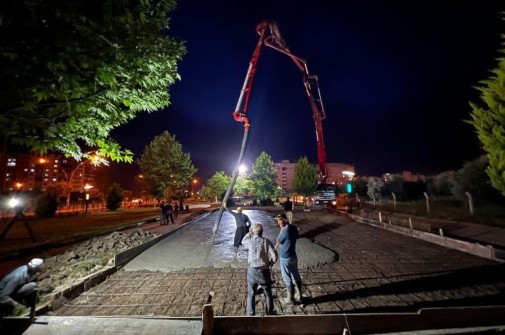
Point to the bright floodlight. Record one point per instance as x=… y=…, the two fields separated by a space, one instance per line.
x=242 y=169
x=13 y=202
x=348 y=173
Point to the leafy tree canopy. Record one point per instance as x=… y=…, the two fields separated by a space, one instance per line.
x=72 y=71
x=472 y=178
x=166 y=168
x=264 y=178
x=305 y=177
x=243 y=185
x=216 y=185
x=489 y=121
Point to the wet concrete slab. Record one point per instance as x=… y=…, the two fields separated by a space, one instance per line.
x=194 y=246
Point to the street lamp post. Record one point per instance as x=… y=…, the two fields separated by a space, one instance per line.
x=87 y=187
x=94 y=159
x=194 y=181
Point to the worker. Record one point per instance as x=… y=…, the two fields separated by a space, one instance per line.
x=288 y=210
x=261 y=257
x=286 y=242
x=243 y=224
x=18 y=288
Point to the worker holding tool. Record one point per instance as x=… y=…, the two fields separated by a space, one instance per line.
x=261 y=257
x=243 y=224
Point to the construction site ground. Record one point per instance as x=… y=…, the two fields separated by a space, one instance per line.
x=359 y=269
x=349 y=269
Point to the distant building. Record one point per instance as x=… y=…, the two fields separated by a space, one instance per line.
x=408 y=176
x=285 y=171
x=31 y=171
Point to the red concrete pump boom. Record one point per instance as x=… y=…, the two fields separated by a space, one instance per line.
x=271 y=37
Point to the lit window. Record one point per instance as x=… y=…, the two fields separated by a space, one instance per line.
x=54 y=179
x=32 y=170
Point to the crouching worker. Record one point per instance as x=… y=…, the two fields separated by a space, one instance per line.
x=18 y=288
x=261 y=257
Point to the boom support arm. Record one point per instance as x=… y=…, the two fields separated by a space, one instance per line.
x=271 y=37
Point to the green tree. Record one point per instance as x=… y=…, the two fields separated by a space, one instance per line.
x=216 y=185
x=243 y=185
x=114 y=197
x=472 y=178
x=489 y=121
x=442 y=184
x=46 y=204
x=374 y=188
x=167 y=170
x=305 y=177
x=395 y=185
x=72 y=71
x=263 y=177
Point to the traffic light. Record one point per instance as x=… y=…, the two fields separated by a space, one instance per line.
x=348 y=187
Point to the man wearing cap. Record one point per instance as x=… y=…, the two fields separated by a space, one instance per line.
x=18 y=288
x=243 y=223
x=260 y=258
x=286 y=244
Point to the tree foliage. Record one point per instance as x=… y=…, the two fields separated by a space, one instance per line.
x=305 y=177
x=472 y=178
x=489 y=121
x=167 y=170
x=72 y=71
x=442 y=184
x=263 y=177
x=114 y=197
x=243 y=185
x=395 y=185
x=374 y=188
x=216 y=185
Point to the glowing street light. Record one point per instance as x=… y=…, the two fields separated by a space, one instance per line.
x=242 y=169
x=193 y=183
x=87 y=187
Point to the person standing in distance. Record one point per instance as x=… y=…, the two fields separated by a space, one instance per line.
x=286 y=245
x=261 y=257
x=243 y=224
x=288 y=210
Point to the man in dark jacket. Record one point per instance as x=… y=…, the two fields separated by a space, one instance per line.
x=18 y=288
x=243 y=223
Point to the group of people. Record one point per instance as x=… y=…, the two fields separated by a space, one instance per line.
x=168 y=212
x=262 y=255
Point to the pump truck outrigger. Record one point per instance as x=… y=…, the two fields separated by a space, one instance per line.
x=271 y=37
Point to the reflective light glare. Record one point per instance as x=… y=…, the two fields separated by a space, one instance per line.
x=13 y=202
x=242 y=169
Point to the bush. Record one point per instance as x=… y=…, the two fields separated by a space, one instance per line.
x=46 y=205
x=114 y=197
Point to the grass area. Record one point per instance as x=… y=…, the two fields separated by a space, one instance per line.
x=488 y=214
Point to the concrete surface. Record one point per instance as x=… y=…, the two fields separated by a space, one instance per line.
x=194 y=247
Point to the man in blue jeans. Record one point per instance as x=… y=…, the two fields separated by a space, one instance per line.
x=286 y=244
x=261 y=256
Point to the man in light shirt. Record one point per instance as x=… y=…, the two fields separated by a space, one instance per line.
x=261 y=257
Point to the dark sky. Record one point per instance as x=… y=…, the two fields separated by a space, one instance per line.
x=396 y=80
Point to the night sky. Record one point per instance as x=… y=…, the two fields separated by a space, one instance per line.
x=396 y=80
